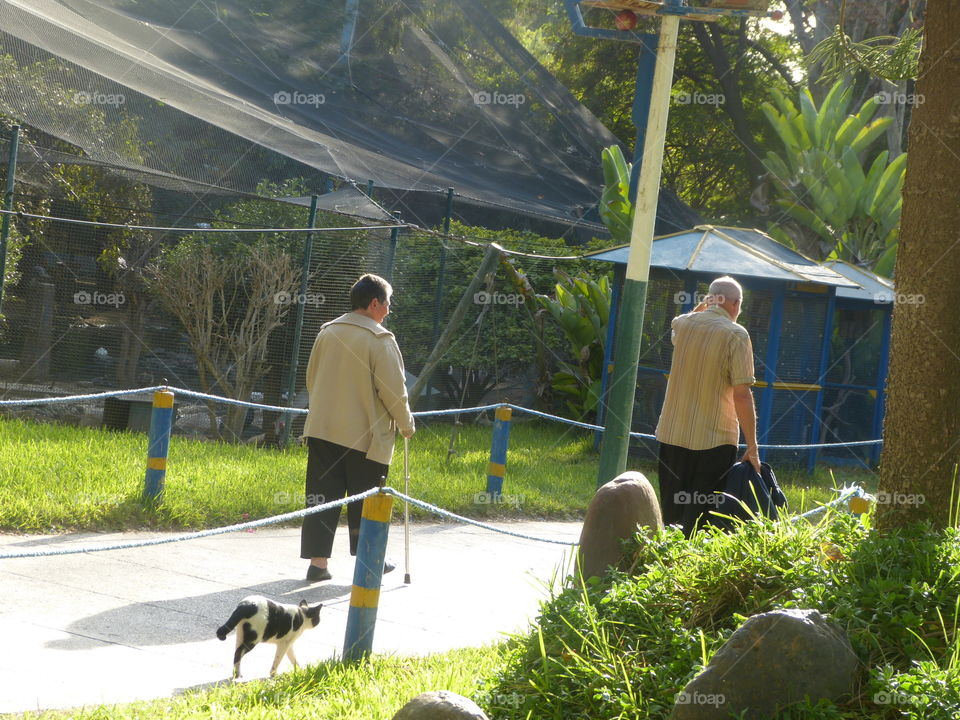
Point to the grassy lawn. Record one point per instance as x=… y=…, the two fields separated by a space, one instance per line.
x=366 y=691
x=55 y=477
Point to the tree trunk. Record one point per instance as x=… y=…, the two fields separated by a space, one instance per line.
x=132 y=343
x=922 y=428
x=712 y=43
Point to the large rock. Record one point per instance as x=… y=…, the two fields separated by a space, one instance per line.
x=614 y=514
x=440 y=705
x=772 y=660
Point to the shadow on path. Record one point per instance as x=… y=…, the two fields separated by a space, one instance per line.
x=184 y=620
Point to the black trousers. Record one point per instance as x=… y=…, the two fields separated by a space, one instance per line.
x=689 y=480
x=333 y=472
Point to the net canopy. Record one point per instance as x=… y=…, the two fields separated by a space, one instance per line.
x=223 y=94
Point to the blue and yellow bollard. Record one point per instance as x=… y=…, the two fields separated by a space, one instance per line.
x=158 y=444
x=497 y=468
x=367 y=576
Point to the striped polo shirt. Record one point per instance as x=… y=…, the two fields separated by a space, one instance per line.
x=711 y=354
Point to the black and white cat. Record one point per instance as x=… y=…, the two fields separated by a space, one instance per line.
x=263 y=620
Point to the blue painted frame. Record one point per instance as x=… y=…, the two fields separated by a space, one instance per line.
x=822 y=379
x=765 y=410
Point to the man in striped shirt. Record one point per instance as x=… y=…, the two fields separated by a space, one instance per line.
x=708 y=401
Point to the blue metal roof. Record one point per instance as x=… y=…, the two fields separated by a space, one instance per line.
x=873 y=288
x=732 y=251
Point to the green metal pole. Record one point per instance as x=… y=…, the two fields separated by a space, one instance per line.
x=438 y=297
x=447 y=215
x=623 y=386
x=392 y=253
x=298 y=326
x=8 y=205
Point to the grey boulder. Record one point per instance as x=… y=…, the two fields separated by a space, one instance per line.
x=440 y=705
x=773 y=660
x=616 y=510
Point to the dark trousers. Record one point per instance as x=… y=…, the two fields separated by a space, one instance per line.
x=335 y=471
x=689 y=481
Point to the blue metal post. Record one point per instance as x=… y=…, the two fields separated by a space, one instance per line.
x=497 y=468
x=158 y=444
x=367 y=576
x=351 y=12
x=641 y=104
x=690 y=290
x=765 y=414
x=880 y=405
x=821 y=380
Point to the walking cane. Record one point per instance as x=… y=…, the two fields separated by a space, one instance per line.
x=406 y=511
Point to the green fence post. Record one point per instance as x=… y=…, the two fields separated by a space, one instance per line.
x=8 y=205
x=392 y=250
x=298 y=324
x=438 y=297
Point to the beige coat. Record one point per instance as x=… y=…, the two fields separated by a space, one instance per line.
x=355 y=379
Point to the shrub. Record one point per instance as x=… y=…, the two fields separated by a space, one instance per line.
x=625 y=647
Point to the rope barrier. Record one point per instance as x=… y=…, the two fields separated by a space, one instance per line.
x=845 y=494
x=252 y=524
x=92 y=223
x=460 y=518
x=295 y=515
x=421 y=414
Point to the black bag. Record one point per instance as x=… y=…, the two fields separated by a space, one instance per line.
x=759 y=492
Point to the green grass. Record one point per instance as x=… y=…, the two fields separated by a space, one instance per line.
x=625 y=647
x=57 y=477
x=373 y=690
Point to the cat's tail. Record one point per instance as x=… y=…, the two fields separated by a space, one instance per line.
x=239 y=614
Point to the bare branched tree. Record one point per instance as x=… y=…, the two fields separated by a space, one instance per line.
x=228 y=306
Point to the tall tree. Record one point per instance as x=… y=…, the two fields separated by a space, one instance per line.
x=825 y=22
x=922 y=427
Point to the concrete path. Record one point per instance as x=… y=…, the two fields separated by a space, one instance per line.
x=134 y=624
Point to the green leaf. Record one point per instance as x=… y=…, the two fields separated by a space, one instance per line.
x=870 y=133
x=890 y=182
